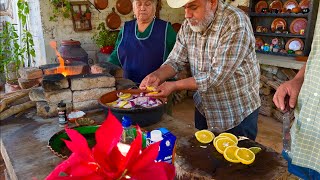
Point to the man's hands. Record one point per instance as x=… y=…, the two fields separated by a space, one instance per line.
x=151 y=80
x=290 y=88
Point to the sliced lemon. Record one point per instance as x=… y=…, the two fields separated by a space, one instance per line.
x=111 y=103
x=154 y=92
x=122 y=103
x=231 y=136
x=223 y=143
x=245 y=155
x=229 y=152
x=204 y=136
x=255 y=150
x=151 y=88
x=124 y=95
x=216 y=138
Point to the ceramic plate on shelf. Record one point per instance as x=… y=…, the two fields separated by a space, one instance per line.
x=297 y=25
x=294 y=44
x=304 y=4
x=277 y=4
x=290 y=4
x=259 y=42
x=260 y=5
x=278 y=23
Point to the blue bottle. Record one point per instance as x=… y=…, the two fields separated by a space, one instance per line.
x=128 y=132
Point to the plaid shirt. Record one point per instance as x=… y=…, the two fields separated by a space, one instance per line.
x=305 y=132
x=223 y=62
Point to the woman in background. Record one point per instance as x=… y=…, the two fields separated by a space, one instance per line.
x=144 y=43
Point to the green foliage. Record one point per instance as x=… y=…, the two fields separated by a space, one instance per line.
x=105 y=37
x=15 y=50
x=10 y=48
x=60 y=7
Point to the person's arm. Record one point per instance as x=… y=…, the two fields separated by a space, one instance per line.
x=291 y=88
x=113 y=58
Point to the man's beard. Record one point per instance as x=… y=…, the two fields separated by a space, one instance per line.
x=204 y=23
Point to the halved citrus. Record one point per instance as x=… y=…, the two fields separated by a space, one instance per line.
x=204 y=136
x=223 y=143
x=228 y=154
x=124 y=95
x=231 y=136
x=245 y=155
x=255 y=150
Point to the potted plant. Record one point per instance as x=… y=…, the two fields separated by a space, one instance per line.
x=76 y=15
x=105 y=39
x=88 y=14
x=60 y=7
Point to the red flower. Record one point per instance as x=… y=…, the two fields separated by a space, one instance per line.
x=104 y=160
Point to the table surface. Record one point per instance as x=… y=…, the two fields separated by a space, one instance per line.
x=24 y=142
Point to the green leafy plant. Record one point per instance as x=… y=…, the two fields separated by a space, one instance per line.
x=15 y=49
x=104 y=37
x=60 y=7
x=10 y=50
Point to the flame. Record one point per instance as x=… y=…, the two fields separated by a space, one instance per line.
x=61 y=69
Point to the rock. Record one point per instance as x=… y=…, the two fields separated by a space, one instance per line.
x=37 y=94
x=91 y=94
x=54 y=82
x=57 y=96
x=29 y=83
x=89 y=81
x=46 y=110
x=30 y=73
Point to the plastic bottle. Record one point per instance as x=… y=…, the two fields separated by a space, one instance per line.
x=155 y=136
x=128 y=132
x=62 y=114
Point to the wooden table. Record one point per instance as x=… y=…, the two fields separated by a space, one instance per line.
x=24 y=144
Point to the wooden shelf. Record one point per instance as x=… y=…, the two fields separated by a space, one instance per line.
x=265 y=20
x=276 y=53
x=280 y=35
x=279 y=61
x=293 y=15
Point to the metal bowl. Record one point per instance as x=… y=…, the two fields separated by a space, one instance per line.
x=141 y=116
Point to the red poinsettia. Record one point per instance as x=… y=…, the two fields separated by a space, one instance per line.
x=105 y=161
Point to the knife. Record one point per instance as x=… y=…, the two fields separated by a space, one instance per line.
x=286 y=139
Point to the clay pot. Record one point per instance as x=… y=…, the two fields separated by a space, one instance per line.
x=113 y=20
x=101 y=4
x=124 y=7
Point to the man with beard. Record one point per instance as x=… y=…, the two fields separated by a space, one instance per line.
x=216 y=42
